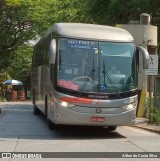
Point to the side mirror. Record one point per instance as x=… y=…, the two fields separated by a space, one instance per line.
x=145 y=55
x=52 y=52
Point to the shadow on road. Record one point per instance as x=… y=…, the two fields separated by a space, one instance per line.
x=85 y=132
x=18 y=121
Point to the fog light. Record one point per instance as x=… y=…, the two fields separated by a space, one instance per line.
x=59 y=115
x=133 y=118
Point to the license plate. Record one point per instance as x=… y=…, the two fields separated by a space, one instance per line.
x=97 y=119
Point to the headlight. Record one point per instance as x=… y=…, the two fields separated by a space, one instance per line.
x=65 y=104
x=130 y=100
x=129 y=107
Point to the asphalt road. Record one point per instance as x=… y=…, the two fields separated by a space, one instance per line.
x=22 y=131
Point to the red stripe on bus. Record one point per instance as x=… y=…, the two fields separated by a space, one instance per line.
x=76 y=100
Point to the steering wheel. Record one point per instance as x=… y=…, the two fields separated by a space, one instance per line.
x=83 y=78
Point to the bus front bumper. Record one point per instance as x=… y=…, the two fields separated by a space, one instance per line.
x=69 y=117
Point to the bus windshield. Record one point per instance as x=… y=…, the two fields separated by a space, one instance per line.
x=92 y=66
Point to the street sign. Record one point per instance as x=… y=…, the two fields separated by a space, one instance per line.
x=153 y=65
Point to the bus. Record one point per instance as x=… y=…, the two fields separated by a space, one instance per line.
x=86 y=74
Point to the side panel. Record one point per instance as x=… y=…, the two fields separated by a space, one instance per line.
x=39 y=86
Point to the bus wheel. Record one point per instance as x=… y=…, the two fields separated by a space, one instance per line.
x=52 y=126
x=36 y=110
x=111 y=128
x=46 y=106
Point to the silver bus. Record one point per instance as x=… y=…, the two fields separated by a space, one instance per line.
x=86 y=74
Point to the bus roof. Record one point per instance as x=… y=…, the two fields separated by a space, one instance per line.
x=92 y=31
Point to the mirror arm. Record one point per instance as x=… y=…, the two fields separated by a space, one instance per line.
x=145 y=56
x=52 y=52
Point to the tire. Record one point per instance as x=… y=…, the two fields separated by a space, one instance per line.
x=36 y=110
x=111 y=128
x=46 y=106
x=52 y=126
x=33 y=97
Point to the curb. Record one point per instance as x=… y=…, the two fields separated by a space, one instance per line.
x=148 y=129
x=143 y=123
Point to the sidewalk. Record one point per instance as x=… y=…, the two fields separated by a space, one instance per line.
x=144 y=124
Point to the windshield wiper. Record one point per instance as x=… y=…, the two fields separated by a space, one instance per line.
x=91 y=75
x=93 y=71
x=105 y=73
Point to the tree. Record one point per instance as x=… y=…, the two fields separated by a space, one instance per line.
x=15 y=29
x=21 y=66
x=21 y=20
x=54 y=11
x=117 y=11
x=97 y=10
x=112 y=12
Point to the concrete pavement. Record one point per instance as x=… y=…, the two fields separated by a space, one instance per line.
x=144 y=124
x=140 y=122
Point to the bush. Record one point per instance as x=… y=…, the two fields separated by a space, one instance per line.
x=154 y=115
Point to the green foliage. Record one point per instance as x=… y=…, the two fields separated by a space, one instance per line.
x=117 y=11
x=15 y=29
x=155 y=115
x=45 y=15
x=125 y=10
x=13 y=2
x=3 y=76
x=111 y=12
x=21 y=66
x=153 y=111
x=21 y=20
x=98 y=10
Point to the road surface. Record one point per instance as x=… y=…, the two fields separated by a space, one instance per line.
x=22 y=131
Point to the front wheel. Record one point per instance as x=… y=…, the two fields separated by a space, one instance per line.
x=36 y=110
x=52 y=126
x=111 y=128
